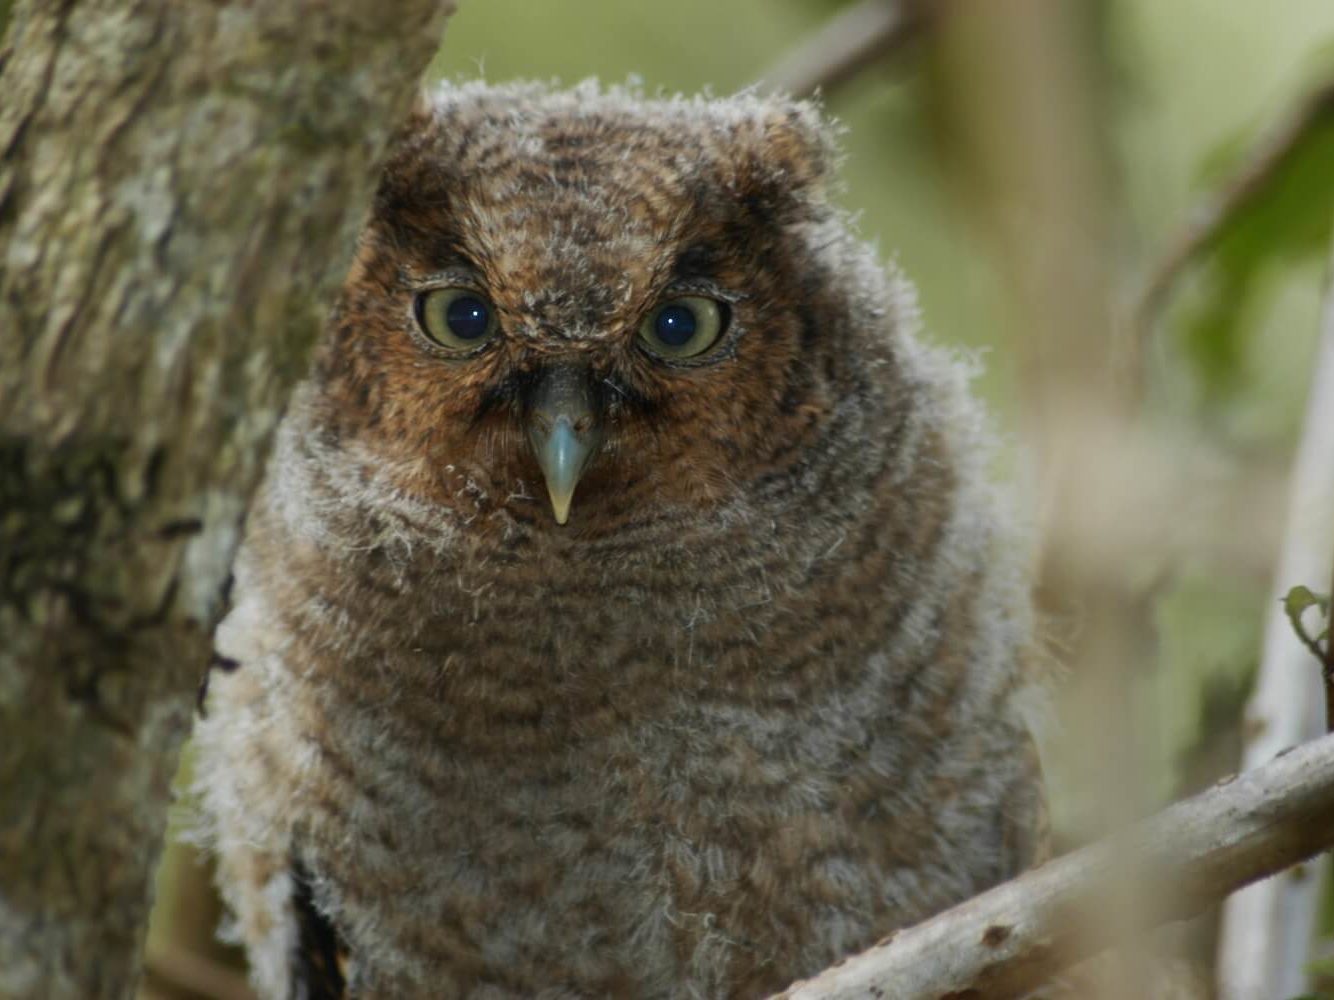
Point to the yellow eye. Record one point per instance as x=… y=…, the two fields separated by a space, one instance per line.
x=458 y=319
x=684 y=327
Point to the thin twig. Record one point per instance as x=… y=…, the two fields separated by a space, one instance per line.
x=1265 y=934
x=856 y=39
x=1328 y=673
x=1329 y=693
x=1208 y=218
x=1013 y=938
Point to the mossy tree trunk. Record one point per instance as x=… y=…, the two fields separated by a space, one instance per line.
x=180 y=185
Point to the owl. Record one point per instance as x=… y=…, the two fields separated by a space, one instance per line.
x=626 y=611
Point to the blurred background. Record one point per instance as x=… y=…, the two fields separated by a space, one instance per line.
x=1126 y=204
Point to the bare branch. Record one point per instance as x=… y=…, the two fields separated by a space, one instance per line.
x=1011 y=939
x=1267 y=929
x=856 y=39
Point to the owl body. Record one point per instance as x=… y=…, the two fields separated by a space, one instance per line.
x=754 y=705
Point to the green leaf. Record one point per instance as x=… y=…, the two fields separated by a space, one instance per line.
x=1298 y=599
x=1297 y=602
x=1286 y=219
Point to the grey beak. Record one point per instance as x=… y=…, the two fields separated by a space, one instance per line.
x=565 y=429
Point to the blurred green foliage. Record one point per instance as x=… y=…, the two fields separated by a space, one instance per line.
x=1287 y=221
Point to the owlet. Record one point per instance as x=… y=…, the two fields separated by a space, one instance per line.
x=626 y=611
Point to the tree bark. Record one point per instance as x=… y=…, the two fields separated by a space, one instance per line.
x=179 y=190
x=1013 y=938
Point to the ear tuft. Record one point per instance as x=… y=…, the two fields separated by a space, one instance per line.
x=785 y=155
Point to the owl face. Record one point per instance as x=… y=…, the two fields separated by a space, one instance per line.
x=591 y=305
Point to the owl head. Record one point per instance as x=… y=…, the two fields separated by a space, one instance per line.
x=598 y=304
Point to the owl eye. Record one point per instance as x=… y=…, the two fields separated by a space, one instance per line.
x=458 y=319
x=684 y=327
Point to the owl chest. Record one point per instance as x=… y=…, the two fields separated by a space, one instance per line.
x=670 y=782
x=621 y=862
x=616 y=808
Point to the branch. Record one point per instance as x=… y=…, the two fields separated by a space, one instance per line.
x=1327 y=674
x=1011 y=939
x=1327 y=658
x=1266 y=930
x=856 y=39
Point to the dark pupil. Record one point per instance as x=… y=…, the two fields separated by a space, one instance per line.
x=675 y=325
x=467 y=317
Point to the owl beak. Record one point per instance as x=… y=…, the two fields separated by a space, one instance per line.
x=565 y=430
